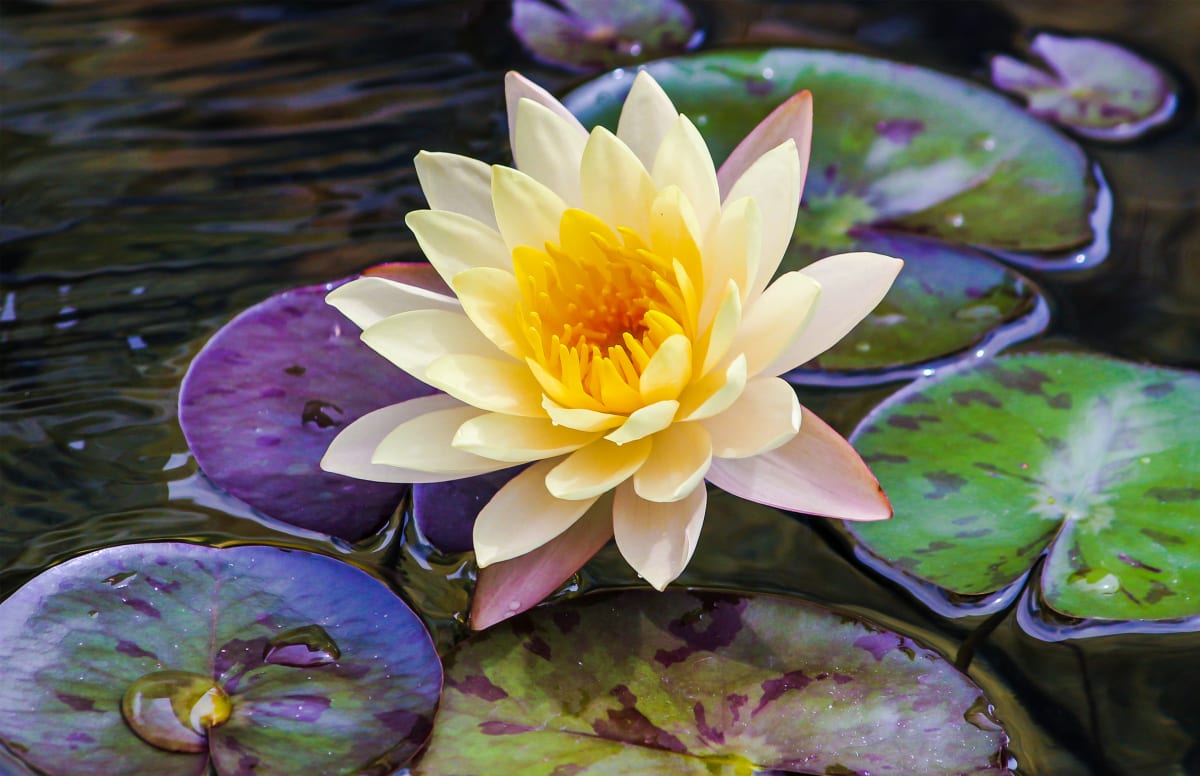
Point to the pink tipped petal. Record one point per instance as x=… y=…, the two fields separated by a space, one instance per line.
x=678 y=462
x=765 y=416
x=646 y=116
x=657 y=538
x=852 y=285
x=774 y=183
x=523 y=516
x=411 y=273
x=517 y=86
x=454 y=243
x=549 y=149
x=457 y=183
x=791 y=120
x=368 y=300
x=817 y=472
x=512 y=586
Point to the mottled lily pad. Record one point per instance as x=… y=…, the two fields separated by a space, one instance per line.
x=299 y=663
x=705 y=683
x=264 y=398
x=1087 y=463
x=895 y=147
x=591 y=35
x=1094 y=87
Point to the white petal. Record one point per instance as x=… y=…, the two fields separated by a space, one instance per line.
x=678 y=462
x=722 y=331
x=774 y=183
x=683 y=160
x=715 y=392
x=658 y=539
x=517 y=439
x=517 y=86
x=774 y=320
x=817 y=472
x=414 y=340
x=765 y=416
x=668 y=371
x=615 y=185
x=522 y=516
x=528 y=213
x=580 y=419
x=497 y=385
x=368 y=300
x=645 y=118
x=597 y=468
x=731 y=252
x=454 y=243
x=487 y=296
x=852 y=284
x=549 y=149
x=645 y=421
x=420 y=444
x=457 y=183
x=792 y=119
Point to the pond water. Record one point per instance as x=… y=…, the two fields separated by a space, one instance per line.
x=166 y=165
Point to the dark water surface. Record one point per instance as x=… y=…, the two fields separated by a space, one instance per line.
x=166 y=164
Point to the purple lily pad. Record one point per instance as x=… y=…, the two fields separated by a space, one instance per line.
x=700 y=683
x=174 y=658
x=446 y=511
x=1094 y=87
x=591 y=35
x=264 y=398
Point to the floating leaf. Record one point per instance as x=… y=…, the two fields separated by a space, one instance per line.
x=122 y=660
x=446 y=511
x=894 y=146
x=705 y=683
x=1088 y=462
x=589 y=35
x=1093 y=87
x=266 y=395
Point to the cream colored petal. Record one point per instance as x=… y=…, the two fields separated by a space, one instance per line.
x=852 y=284
x=669 y=370
x=597 y=468
x=675 y=230
x=678 y=462
x=351 y=451
x=793 y=119
x=657 y=538
x=645 y=118
x=517 y=86
x=518 y=439
x=774 y=320
x=713 y=393
x=528 y=213
x=497 y=385
x=731 y=252
x=615 y=185
x=645 y=421
x=487 y=296
x=579 y=419
x=457 y=183
x=722 y=331
x=549 y=149
x=774 y=183
x=422 y=444
x=368 y=300
x=683 y=160
x=454 y=243
x=817 y=472
x=765 y=416
x=414 y=340
x=523 y=516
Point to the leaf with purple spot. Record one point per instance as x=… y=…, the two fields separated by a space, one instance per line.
x=1086 y=464
x=177 y=658
x=705 y=683
x=1096 y=88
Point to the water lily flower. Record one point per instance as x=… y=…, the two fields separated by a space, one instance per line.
x=614 y=325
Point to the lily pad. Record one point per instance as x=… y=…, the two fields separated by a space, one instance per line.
x=895 y=146
x=706 y=683
x=1087 y=463
x=1093 y=87
x=266 y=395
x=591 y=35
x=174 y=658
x=446 y=511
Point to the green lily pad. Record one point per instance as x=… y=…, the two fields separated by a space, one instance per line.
x=1087 y=462
x=894 y=146
x=705 y=683
x=176 y=659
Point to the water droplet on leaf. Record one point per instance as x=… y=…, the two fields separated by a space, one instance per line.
x=310 y=645
x=174 y=710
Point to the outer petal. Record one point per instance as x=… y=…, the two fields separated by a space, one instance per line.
x=522 y=516
x=677 y=464
x=817 y=472
x=454 y=243
x=549 y=149
x=516 y=439
x=774 y=321
x=852 y=284
x=765 y=416
x=793 y=119
x=517 y=86
x=414 y=340
x=512 y=586
x=368 y=300
x=615 y=184
x=352 y=449
x=498 y=385
x=774 y=182
x=646 y=116
x=658 y=539
x=683 y=160
x=527 y=212
x=457 y=183
x=597 y=468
